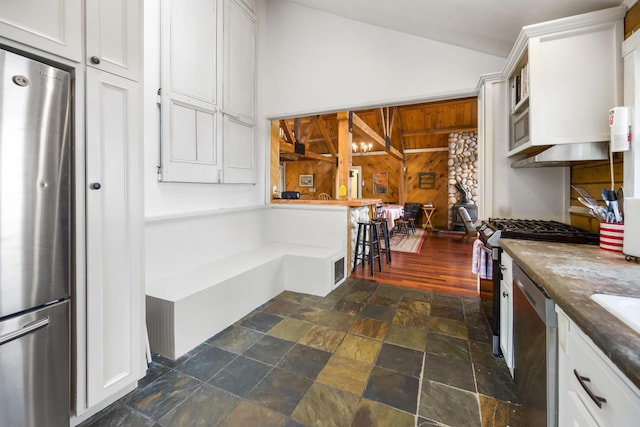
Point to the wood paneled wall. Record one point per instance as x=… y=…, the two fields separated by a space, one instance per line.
x=416 y=163
x=430 y=162
x=593 y=177
x=323 y=178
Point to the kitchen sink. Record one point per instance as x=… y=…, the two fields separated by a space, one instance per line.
x=627 y=309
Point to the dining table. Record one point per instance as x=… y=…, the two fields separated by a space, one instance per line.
x=391 y=213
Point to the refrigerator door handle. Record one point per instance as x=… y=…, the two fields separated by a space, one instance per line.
x=26 y=329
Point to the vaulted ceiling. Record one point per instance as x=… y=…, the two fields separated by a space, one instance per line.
x=489 y=26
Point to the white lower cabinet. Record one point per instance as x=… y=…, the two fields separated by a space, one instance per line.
x=506 y=310
x=592 y=391
x=114 y=203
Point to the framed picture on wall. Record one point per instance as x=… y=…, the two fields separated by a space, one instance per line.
x=305 y=181
x=380 y=182
x=426 y=180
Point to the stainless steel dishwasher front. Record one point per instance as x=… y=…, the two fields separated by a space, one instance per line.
x=535 y=330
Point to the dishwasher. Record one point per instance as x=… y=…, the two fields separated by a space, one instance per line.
x=535 y=334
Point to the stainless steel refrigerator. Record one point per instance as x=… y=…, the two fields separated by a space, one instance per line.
x=35 y=242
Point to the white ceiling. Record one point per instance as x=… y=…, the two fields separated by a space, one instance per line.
x=489 y=26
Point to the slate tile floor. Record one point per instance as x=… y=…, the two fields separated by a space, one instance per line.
x=365 y=355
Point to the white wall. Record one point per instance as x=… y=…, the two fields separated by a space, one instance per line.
x=530 y=193
x=321 y=62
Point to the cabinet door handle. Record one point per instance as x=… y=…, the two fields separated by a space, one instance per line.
x=504 y=294
x=583 y=382
x=95 y=186
x=95 y=60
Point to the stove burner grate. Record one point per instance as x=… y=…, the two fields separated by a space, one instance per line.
x=541 y=230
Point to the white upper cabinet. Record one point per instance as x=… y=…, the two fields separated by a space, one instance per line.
x=190 y=70
x=207 y=94
x=240 y=53
x=55 y=28
x=239 y=94
x=113 y=36
x=564 y=76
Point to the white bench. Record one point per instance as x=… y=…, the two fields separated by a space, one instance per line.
x=184 y=308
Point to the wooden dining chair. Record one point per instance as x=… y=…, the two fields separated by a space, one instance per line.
x=324 y=196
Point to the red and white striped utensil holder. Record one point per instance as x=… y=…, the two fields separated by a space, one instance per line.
x=611 y=236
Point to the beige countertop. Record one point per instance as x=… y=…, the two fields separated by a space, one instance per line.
x=570 y=274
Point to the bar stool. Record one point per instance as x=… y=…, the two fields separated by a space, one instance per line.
x=384 y=233
x=367 y=237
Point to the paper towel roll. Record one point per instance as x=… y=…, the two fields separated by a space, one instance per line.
x=631 y=226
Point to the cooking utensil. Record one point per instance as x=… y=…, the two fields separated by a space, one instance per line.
x=585 y=195
x=587 y=203
x=601 y=213
x=620 y=197
x=613 y=213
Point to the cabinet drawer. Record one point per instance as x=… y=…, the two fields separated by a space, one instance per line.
x=622 y=406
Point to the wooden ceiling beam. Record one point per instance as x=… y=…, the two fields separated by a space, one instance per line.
x=402 y=145
x=304 y=137
x=377 y=139
x=439 y=131
x=288 y=135
x=308 y=155
x=322 y=125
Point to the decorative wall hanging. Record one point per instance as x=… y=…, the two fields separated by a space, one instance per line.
x=426 y=180
x=305 y=181
x=380 y=182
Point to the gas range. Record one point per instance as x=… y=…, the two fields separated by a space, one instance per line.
x=492 y=230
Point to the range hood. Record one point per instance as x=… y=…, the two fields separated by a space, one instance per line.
x=565 y=154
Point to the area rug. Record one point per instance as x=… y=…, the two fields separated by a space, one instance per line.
x=399 y=242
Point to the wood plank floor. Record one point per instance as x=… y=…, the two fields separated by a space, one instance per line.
x=443 y=265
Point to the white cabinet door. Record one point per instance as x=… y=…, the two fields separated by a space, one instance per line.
x=115 y=285
x=506 y=323
x=53 y=26
x=113 y=41
x=506 y=309
x=239 y=94
x=576 y=414
x=575 y=80
x=239 y=151
x=190 y=74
